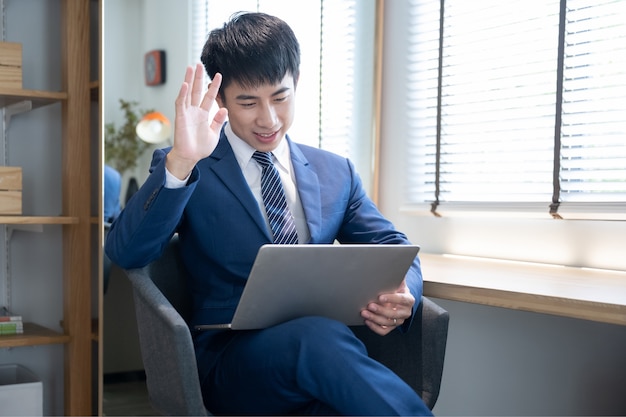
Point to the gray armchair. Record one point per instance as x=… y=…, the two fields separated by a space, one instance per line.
x=162 y=307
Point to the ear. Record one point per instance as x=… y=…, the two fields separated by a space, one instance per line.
x=219 y=100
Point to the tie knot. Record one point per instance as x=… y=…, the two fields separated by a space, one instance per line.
x=263 y=158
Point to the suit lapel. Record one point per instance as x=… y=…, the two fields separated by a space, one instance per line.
x=226 y=168
x=308 y=189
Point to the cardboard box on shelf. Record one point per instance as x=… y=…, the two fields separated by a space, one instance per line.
x=10 y=65
x=10 y=190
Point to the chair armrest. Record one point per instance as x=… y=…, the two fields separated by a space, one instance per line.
x=435 y=322
x=166 y=347
x=417 y=356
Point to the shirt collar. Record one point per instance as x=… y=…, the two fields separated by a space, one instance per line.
x=243 y=151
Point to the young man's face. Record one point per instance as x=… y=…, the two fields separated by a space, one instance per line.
x=260 y=116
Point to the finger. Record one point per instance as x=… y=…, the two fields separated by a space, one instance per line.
x=378 y=329
x=188 y=80
x=390 y=309
x=395 y=322
x=212 y=92
x=391 y=321
x=181 y=99
x=383 y=321
x=219 y=119
x=184 y=88
x=398 y=298
x=198 y=86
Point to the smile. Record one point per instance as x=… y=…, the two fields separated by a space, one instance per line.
x=267 y=137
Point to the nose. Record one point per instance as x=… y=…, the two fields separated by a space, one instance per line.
x=266 y=116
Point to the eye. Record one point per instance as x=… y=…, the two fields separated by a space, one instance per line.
x=280 y=99
x=247 y=104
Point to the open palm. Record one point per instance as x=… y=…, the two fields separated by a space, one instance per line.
x=195 y=133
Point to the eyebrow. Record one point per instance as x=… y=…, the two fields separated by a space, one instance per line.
x=250 y=97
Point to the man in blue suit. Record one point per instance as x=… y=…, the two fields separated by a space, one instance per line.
x=207 y=188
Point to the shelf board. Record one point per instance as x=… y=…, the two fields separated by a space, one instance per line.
x=38 y=98
x=38 y=220
x=34 y=334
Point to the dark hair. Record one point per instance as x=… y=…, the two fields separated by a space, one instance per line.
x=252 y=49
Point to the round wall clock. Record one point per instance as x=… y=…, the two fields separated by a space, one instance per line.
x=154 y=67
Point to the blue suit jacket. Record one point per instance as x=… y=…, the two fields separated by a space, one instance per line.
x=221 y=226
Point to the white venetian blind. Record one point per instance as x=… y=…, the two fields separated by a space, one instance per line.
x=337 y=74
x=498 y=82
x=421 y=100
x=489 y=126
x=593 y=134
x=326 y=33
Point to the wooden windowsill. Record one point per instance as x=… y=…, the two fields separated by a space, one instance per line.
x=589 y=294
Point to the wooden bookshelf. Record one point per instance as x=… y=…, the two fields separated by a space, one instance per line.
x=33 y=335
x=79 y=189
x=10 y=96
x=38 y=220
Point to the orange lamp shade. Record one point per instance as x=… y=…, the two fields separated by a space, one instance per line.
x=154 y=127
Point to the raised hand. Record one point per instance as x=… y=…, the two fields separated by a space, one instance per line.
x=195 y=135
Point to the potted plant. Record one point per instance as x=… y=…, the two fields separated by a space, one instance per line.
x=122 y=147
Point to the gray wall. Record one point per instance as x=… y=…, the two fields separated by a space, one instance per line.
x=503 y=362
x=31 y=270
x=132 y=28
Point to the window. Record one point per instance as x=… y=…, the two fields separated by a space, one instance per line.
x=334 y=103
x=518 y=106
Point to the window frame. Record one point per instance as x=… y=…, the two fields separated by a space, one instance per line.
x=558 y=207
x=511 y=235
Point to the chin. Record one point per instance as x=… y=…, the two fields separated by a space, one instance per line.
x=266 y=146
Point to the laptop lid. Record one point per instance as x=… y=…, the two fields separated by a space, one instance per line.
x=335 y=281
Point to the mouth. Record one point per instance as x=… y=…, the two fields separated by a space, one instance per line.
x=266 y=137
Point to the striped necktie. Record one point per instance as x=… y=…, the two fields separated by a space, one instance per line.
x=279 y=216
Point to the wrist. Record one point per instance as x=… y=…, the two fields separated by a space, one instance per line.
x=179 y=167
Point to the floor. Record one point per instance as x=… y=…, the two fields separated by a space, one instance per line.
x=126 y=398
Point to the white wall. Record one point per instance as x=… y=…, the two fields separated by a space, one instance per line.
x=504 y=362
x=132 y=28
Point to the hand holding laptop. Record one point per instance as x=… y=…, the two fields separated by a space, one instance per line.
x=341 y=282
x=389 y=310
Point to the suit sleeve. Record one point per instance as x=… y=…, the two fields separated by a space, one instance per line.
x=149 y=219
x=364 y=223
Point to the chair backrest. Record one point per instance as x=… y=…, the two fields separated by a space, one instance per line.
x=162 y=305
x=169 y=275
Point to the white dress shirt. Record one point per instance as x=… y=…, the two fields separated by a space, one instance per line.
x=252 y=173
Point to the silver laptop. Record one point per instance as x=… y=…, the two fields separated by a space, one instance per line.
x=335 y=281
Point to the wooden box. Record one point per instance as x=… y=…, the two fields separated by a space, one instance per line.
x=10 y=190
x=10 y=65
